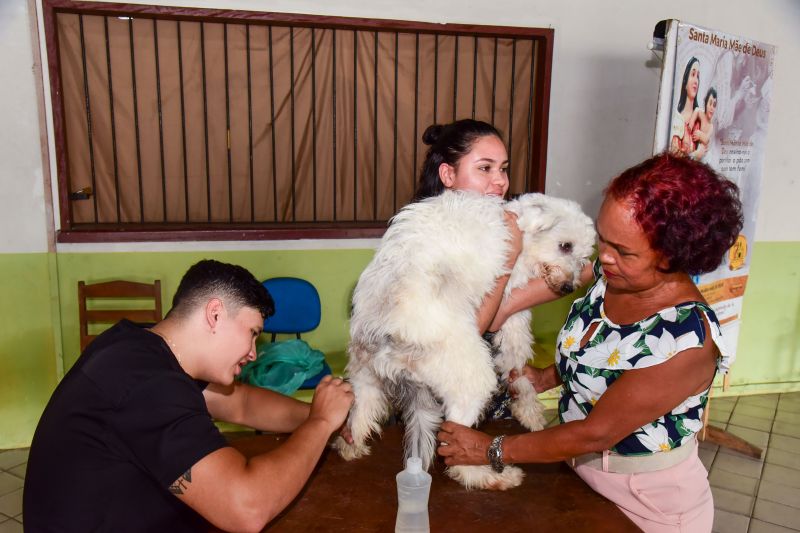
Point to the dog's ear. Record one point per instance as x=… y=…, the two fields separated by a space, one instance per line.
x=533 y=214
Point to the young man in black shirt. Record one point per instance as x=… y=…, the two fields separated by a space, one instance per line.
x=127 y=441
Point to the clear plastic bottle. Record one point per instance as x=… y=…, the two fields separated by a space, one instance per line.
x=413 y=488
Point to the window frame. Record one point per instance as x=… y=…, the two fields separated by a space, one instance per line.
x=89 y=233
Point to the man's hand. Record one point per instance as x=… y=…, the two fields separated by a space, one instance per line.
x=332 y=400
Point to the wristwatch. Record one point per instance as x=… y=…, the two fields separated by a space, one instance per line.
x=495 y=454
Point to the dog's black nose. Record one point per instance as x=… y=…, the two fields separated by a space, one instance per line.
x=567 y=288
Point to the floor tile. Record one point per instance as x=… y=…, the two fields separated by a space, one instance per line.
x=738 y=464
x=757 y=526
x=718 y=418
x=756 y=411
x=789 y=418
x=728 y=402
x=11 y=503
x=783 y=494
x=734 y=482
x=707 y=446
x=10 y=526
x=782 y=442
x=784 y=428
x=784 y=458
x=752 y=422
x=788 y=406
x=9 y=483
x=753 y=436
x=781 y=474
x=763 y=400
x=12 y=458
x=707 y=457
x=725 y=522
x=733 y=502
x=19 y=471
x=775 y=513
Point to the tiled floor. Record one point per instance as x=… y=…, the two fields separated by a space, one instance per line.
x=756 y=496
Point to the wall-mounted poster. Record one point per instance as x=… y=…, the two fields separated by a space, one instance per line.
x=714 y=105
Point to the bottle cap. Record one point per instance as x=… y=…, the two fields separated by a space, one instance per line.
x=414 y=465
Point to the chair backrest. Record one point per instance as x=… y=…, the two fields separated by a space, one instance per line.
x=142 y=304
x=297 y=306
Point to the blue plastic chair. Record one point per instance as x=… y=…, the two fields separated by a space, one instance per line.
x=297 y=306
x=297 y=310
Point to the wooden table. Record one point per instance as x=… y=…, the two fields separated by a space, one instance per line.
x=361 y=496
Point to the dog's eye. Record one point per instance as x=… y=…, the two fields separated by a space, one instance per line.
x=565 y=247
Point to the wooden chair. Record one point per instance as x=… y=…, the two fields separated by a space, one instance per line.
x=116 y=292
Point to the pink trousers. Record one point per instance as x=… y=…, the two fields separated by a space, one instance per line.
x=676 y=499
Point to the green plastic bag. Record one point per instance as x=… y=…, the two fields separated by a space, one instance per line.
x=283 y=366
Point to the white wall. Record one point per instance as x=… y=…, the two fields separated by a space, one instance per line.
x=22 y=207
x=603 y=99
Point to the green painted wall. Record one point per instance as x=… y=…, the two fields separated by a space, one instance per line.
x=37 y=311
x=333 y=272
x=27 y=354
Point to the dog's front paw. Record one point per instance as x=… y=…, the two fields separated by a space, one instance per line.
x=530 y=413
x=483 y=477
x=350 y=451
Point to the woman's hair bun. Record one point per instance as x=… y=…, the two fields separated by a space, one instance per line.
x=432 y=134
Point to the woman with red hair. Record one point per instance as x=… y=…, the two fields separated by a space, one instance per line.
x=637 y=355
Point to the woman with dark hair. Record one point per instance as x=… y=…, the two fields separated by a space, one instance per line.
x=681 y=140
x=637 y=355
x=469 y=155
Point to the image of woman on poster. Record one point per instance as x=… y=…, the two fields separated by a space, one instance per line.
x=681 y=135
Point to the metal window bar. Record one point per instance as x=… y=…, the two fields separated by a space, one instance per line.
x=265 y=133
x=355 y=125
x=227 y=122
x=291 y=109
x=394 y=123
x=272 y=125
x=205 y=119
x=136 y=120
x=375 y=130
x=88 y=106
x=455 y=79
x=511 y=98
x=160 y=124
x=314 y=121
x=250 y=127
x=113 y=122
x=183 y=125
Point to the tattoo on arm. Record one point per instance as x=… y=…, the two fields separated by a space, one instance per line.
x=181 y=484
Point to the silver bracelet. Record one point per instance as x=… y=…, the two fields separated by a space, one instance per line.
x=495 y=454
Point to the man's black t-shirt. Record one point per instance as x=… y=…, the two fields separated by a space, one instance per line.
x=124 y=423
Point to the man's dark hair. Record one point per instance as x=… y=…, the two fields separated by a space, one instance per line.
x=232 y=284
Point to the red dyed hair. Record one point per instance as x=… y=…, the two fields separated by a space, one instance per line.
x=689 y=213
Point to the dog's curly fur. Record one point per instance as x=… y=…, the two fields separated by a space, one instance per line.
x=415 y=344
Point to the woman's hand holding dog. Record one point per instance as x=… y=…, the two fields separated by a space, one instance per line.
x=460 y=445
x=514 y=238
x=542 y=379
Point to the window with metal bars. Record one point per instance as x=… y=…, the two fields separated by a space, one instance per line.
x=190 y=124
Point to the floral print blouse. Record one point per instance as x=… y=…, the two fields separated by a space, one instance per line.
x=587 y=372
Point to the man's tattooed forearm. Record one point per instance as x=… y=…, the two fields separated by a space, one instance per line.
x=181 y=484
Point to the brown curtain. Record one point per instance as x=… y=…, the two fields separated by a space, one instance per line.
x=188 y=122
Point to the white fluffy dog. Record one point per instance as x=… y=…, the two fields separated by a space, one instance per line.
x=415 y=343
